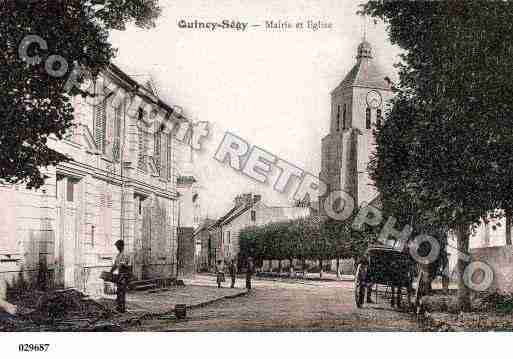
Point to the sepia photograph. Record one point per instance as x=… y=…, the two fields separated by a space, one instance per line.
x=215 y=171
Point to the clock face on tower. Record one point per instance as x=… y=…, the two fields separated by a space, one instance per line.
x=373 y=99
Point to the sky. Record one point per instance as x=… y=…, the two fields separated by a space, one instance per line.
x=270 y=87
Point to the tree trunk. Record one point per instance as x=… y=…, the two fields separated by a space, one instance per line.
x=338 y=268
x=462 y=235
x=279 y=266
x=292 y=272
x=425 y=283
x=320 y=268
x=508 y=226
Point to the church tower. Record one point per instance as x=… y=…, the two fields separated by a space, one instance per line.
x=357 y=105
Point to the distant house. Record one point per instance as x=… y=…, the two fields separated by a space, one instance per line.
x=248 y=210
x=204 y=245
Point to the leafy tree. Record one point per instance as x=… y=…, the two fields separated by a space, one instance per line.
x=34 y=98
x=443 y=155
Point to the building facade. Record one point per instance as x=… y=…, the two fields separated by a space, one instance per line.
x=121 y=184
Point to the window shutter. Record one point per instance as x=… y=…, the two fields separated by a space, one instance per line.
x=116 y=143
x=157 y=149
x=100 y=124
x=163 y=156
x=105 y=215
x=169 y=158
x=141 y=157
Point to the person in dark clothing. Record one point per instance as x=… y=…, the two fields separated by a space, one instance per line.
x=220 y=273
x=249 y=272
x=233 y=272
x=122 y=267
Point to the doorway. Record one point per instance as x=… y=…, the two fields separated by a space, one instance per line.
x=67 y=271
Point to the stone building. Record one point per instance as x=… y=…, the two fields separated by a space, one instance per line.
x=357 y=105
x=121 y=184
x=248 y=210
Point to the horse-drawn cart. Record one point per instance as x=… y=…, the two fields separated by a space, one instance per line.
x=386 y=266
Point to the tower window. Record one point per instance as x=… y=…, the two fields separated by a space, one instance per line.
x=338 y=118
x=344 y=124
x=368 y=118
x=378 y=117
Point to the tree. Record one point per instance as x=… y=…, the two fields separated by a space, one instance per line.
x=443 y=152
x=34 y=97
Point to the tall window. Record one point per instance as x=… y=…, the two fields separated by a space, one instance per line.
x=378 y=117
x=344 y=124
x=116 y=144
x=338 y=118
x=368 y=118
x=142 y=145
x=157 y=146
x=169 y=158
x=70 y=189
x=100 y=125
x=163 y=156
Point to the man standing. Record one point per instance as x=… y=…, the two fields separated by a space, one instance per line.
x=122 y=267
x=249 y=272
x=233 y=272
x=220 y=273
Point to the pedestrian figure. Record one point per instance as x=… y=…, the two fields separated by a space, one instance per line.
x=233 y=272
x=122 y=268
x=249 y=272
x=220 y=273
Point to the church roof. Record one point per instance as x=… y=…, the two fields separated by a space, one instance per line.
x=366 y=72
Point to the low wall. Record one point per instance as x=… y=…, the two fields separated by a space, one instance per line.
x=500 y=259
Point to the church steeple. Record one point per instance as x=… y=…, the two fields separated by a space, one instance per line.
x=364 y=50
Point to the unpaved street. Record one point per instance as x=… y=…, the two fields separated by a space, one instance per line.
x=289 y=306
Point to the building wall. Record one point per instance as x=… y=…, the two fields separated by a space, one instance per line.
x=500 y=259
x=263 y=215
x=47 y=233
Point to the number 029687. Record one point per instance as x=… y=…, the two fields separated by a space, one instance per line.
x=33 y=347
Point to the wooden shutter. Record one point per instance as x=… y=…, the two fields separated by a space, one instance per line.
x=163 y=170
x=157 y=143
x=143 y=145
x=100 y=124
x=8 y=241
x=105 y=216
x=116 y=143
x=169 y=158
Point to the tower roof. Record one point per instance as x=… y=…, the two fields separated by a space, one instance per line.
x=366 y=72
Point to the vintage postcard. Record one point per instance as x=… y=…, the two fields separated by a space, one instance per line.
x=254 y=166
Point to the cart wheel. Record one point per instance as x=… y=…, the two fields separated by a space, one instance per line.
x=359 y=288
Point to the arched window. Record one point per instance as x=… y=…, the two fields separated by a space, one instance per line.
x=338 y=118
x=368 y=118
x=378 y=117
x=344 y=124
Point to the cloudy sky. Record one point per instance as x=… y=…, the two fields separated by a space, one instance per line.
x=268 y=86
